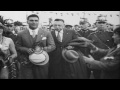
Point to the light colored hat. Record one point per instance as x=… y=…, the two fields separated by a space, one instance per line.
x=40 y=58
x=70 y=55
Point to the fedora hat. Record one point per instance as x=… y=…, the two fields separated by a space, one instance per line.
x=70 y=56
x=39 y=58
x=80 y=42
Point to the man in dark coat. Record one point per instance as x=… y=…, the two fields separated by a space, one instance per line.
x=110 y=63
x=102 y=39
x=59 y=68
x=25 y=43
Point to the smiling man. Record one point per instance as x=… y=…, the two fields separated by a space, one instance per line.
x=25 y=43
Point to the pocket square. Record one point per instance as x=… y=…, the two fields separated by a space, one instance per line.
x=44 y=38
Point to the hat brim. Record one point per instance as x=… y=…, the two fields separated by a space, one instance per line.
x=70 y=61
x=43 y=62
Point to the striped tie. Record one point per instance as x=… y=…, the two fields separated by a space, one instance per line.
x=58 y=37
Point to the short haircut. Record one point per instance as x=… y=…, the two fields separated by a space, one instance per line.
x=32 y=15
x=117 y=30
x=68 y=26
x=76 y=25
x=59 y=20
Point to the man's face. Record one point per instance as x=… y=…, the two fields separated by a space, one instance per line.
x=76 y=27
x=17 y=29
x=84 y=26
x=101 y=25
x=116 y=38
x=33 y=22
x=58 y=25
x=10 y=27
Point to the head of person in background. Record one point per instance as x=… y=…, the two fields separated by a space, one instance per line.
x=33 y=21
x=101 y=23
x=10 y=25
x=51 y=28
x=58 y=24
x=76 y=27
x=17 y=29
x=69 y=27
x=84 y=25
x=116 y=35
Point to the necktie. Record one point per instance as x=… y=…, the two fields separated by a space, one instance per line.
x=58 y=37
x=33 y=34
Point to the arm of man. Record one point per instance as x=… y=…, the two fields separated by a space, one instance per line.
x=108 y=65
x=50 y=43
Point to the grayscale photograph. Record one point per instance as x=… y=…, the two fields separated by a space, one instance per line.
x=59 y=44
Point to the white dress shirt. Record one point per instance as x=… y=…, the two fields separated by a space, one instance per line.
x=61 y=34
x=31 y=31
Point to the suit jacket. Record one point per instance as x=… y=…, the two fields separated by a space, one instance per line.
x=59 y=68
x=110 y=67
x=25 y=40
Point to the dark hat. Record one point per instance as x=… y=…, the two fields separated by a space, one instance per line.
x=79 y=42
x=101 y=19
x=70 y=56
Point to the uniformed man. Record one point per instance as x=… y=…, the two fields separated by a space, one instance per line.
x=101 y=38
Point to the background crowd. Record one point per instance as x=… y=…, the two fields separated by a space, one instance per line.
x=100 y=32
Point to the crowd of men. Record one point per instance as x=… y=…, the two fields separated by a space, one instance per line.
x=57 y=67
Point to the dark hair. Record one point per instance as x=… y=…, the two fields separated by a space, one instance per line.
x=32 y=15
x=76 y=25
x=68 y=26
x=117 y=30
x=59 y=20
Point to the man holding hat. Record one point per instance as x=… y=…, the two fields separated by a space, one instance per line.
x=64 y=60
x=34 y=44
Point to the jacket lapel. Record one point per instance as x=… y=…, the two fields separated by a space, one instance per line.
x=28 y=36
x=64 y=35
x=40 y=35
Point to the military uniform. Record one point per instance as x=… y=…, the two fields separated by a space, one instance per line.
x=102 y=39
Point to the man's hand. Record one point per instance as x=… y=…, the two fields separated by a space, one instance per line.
x=88 y=59
x=30 y=51
x=70 y=47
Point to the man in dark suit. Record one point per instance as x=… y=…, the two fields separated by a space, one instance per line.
x=110 y=63
x=25 y=43
x=59 y=68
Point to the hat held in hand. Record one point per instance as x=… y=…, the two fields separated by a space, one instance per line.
x=39 y=57
x=70 y=55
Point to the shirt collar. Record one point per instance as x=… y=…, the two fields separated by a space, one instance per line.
x=36 y=31
x=60 y=31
